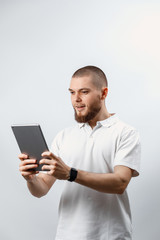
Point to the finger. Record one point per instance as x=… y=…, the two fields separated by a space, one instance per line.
x=50 y=173
x=49 y=167
x=48 y=170
x=49 y=154
x=28 y=161
x=25 y=174
x=23 y=156
x=47 y=161
x=27 y=167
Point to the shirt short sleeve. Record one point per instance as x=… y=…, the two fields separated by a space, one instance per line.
x=129 y=151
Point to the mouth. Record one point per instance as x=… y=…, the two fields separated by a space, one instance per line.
x=80 y=108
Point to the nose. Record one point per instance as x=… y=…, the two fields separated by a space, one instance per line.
x=77 y=97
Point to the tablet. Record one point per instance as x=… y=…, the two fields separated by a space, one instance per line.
x=31 y=141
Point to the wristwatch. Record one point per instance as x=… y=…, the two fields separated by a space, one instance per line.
x=72 y=174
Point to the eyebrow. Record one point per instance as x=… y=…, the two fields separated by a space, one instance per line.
x=79 y=89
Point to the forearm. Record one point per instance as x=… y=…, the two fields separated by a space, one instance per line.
x=115 y=182
x=107 y=182
x=37 y=187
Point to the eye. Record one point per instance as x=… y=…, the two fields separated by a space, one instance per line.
x=71 y=92
x=85 y=91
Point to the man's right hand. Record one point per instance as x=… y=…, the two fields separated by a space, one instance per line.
x=25 y=167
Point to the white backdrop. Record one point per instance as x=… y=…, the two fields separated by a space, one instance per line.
x=41 y=44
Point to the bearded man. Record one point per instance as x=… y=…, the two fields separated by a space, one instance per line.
x=97 y=159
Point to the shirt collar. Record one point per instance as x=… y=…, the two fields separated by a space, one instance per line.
x=81 y=125
x=109 y=121
x=106 y=122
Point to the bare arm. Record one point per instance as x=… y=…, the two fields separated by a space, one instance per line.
x=38 y=185
x=115 y=182
x=106 y=182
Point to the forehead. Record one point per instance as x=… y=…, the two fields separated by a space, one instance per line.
x=82 y=82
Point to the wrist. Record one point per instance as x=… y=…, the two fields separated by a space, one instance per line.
x=30 y=179
x=72 y=175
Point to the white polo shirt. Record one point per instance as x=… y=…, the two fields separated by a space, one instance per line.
x=84 y=213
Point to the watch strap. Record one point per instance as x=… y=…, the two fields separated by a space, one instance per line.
x=72 y=174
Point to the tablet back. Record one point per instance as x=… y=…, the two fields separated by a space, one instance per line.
x=31 y=141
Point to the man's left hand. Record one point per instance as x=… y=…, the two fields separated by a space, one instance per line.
x=55 y=166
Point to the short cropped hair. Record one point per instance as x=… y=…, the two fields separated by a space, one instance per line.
x=98 y=76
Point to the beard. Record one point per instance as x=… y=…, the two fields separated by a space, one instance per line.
x=92 y=112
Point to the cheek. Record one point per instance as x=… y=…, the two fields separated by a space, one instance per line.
x=88 y=98
x=91 y=100
x=94 y=101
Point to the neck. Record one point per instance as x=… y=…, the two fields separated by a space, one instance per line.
x=102 y=115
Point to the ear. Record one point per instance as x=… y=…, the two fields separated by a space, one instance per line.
x=104 y=93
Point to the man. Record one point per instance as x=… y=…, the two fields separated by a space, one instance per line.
x=98 y=157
